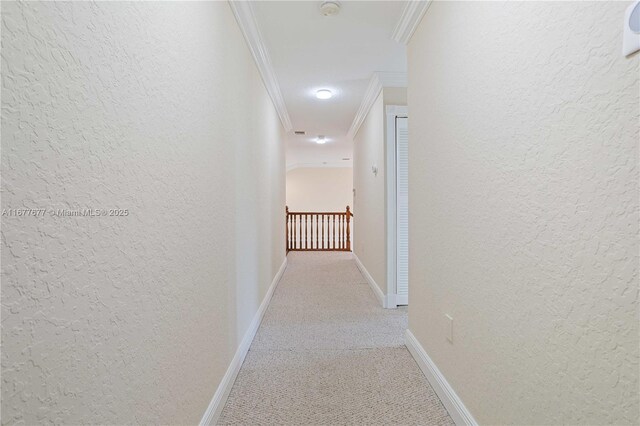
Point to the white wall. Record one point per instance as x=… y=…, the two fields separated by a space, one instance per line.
x=315 y=189
x=369 y=242
x=524 y=208
x=370 y=200
x=156 y=108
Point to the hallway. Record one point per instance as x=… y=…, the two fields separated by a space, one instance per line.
x=327 y=353
x=478 y=163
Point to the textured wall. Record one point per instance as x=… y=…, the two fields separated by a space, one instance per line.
x=369 y=242
x=156 y=108
x=524 y=208
x=326 y=189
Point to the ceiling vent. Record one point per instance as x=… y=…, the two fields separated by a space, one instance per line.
x=329 y=8
x=300 y=132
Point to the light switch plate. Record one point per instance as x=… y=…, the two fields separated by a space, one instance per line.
x=631 y=32
x=449 y=328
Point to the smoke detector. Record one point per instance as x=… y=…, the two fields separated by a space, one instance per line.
x=329 y=8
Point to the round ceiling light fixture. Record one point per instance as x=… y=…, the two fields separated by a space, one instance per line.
x=329 y=8
x=324 y=94
x=321 y=139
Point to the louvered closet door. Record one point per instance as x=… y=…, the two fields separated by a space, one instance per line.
x=402 y=191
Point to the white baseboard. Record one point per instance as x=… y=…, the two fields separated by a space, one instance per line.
x=390 y=300
x=219 y=399
x=376 y=290
x=451 y=400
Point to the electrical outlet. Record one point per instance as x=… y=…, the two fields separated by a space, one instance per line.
x=449 y=329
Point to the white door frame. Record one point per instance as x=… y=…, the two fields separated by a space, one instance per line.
x=392 y=112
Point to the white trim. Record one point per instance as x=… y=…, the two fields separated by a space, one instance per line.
x=397 y=110
x=393 y=111
x=376 y=83
x=391 y=204
x=324 y=164
x=372 y=283
x=402 y=300
x=219 y=399
x=452 y=402
x=409 y=20
x=245 y=17
x=370 y=95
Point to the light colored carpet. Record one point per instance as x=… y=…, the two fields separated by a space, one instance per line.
x=326 y=353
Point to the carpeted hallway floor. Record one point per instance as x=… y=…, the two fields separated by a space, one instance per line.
x=326 y=353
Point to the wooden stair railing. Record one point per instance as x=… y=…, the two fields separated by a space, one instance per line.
x=318 y=231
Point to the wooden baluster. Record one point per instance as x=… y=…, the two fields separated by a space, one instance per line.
x=344 y=232
x=294 y=229
x=317 y=237
x=339 y=231
x=341 y=243
x=328 y=232
x=322 y=235
x=343 y=240
x=325 y=243
x=306 y=232
x=334 y=231
x=348 y=229
x=288 y=232
x=310 y=232
x=301 y=229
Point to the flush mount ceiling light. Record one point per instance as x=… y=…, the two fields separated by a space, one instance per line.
x=321 y=140
x=329 y=8
x=324 y=94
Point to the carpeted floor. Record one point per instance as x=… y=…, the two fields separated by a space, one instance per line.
x=326 y=353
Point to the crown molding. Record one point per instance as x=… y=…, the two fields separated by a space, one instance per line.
x=373 y=90
x=409 y=20
x=378 y=81
x=245 y=17
x=321 y=165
